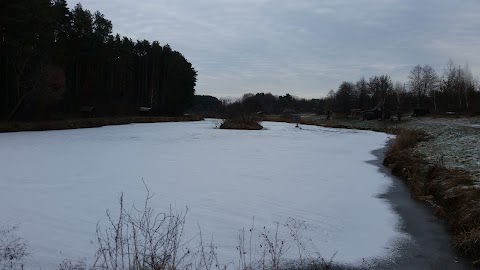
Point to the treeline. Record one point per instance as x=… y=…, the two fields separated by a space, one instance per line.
x=455 y=91
x=56 y=62
x=259 y=103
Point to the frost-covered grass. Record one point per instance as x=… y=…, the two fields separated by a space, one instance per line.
x=58 y=184
x=455 y=142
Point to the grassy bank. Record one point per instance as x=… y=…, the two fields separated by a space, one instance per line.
x=89 y=122
x=387 y=126
x=452 y=193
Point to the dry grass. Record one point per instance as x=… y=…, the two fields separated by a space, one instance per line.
x=455 y=192
x=346 y=123
x=241 y=124
x=452 y=193
x=406 y=139
x=89 y=122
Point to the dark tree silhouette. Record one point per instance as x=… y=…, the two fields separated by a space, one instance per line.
x=345 y=97
x=54 y=61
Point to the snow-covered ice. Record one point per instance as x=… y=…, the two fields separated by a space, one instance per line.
x=58 y=184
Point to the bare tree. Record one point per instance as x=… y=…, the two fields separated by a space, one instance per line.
x=362 y=87
x=468 y=87
x=345 y=96
x=401 y=96
x=380 y=87
x=140 y=238
x=415 y=82
x=430 y=83
x=458 y=84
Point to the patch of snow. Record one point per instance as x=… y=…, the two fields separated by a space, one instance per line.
x=58 y=184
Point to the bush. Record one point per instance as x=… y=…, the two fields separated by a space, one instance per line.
x=141 y=239
x=13 y=249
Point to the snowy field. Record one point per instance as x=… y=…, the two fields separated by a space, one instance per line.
x=57 y=185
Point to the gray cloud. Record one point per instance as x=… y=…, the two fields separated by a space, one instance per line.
x=305 y=47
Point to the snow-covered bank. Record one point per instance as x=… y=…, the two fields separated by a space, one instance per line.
x=58 y=184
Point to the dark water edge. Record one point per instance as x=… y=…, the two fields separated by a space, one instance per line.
x=430 y=244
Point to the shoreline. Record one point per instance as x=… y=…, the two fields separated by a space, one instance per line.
x=431 y=246
x=76 y=123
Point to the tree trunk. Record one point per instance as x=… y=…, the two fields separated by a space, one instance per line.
x=459 y=100
x=7 y=90
x=17 y=106
x=76 y=95
x=152 y=85
x=383 y=110
x=466 y=99
x=419 y=97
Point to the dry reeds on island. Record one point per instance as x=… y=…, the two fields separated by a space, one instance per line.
x=241 y=124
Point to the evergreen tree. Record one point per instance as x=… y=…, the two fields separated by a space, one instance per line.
x=51 y=56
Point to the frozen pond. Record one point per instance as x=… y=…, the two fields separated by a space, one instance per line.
x=57 y=184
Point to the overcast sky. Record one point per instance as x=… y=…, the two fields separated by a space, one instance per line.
x=301 y=47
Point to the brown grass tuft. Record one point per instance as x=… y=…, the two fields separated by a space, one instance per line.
x=406 y=139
